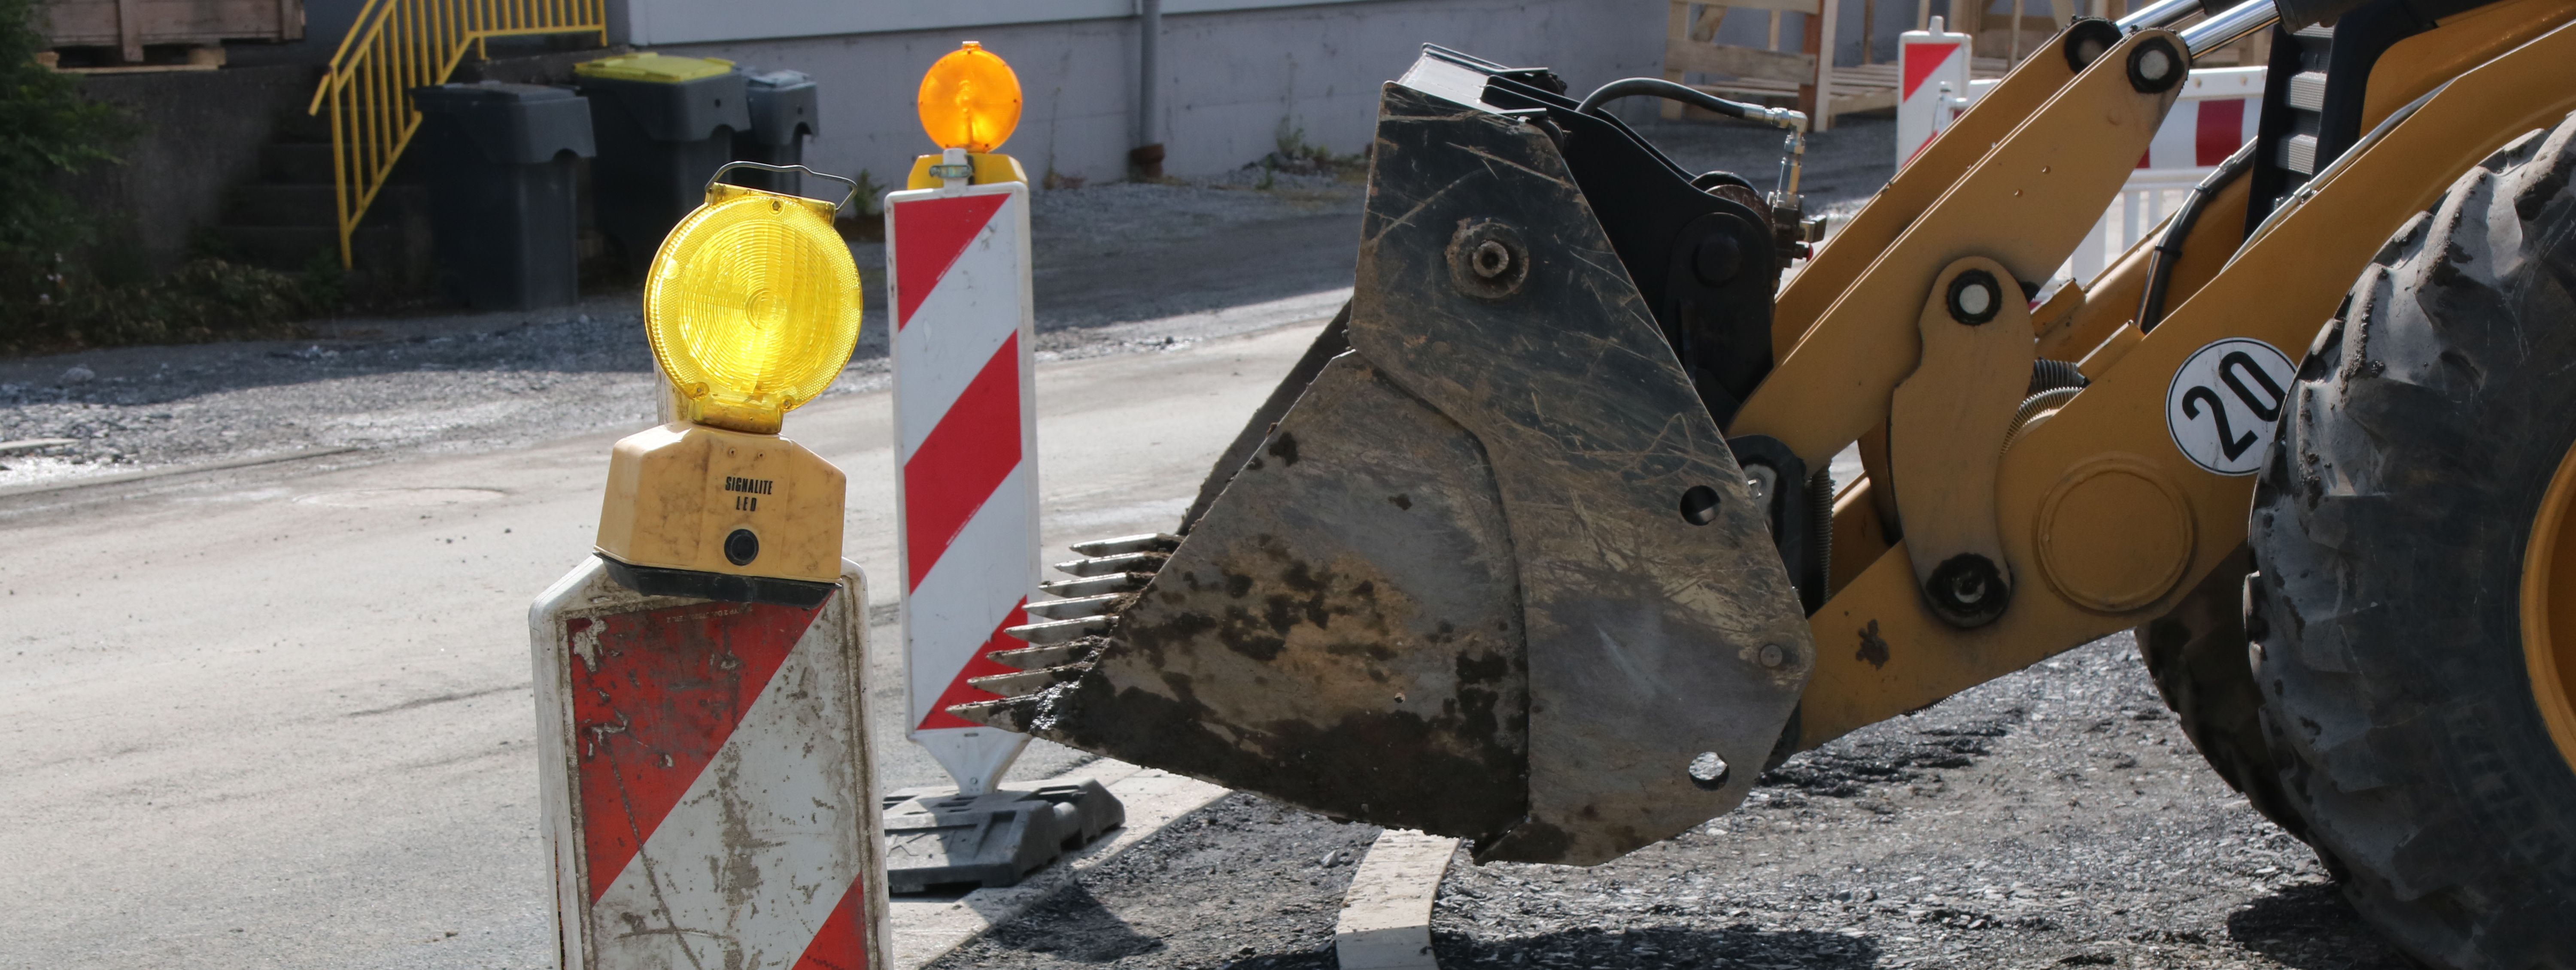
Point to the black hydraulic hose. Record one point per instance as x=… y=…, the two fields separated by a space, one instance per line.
x=1820 y=538
x=2168 y=250
x=1792 y=155
x=1670 y=91
x=2049 y=375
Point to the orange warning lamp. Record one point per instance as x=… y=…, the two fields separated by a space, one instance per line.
x=970 y=104
x=970 y=100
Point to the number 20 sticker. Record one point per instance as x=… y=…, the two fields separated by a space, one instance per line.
x=2225 y=403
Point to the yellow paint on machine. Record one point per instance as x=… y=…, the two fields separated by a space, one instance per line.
x=2098 y=500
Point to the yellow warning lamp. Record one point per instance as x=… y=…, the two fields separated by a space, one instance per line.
x=752 y=307
x=969 y=104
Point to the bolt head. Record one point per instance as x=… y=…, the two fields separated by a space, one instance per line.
x=1492 y=259
x=2155 y=65
x=1976 y=299
x=1968 y=588
x=1772 y=656
x=1717 y=259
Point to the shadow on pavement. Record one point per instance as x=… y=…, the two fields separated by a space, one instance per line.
x=1073 y=925
x=2310 y=927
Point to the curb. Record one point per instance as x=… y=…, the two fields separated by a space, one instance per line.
x=1386 y=912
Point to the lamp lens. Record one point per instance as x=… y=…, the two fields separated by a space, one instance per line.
x=752 y=307
x=970 y=100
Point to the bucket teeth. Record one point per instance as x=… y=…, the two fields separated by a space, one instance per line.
x=1009 y=714
x=1033 y=658
x=1106 y=604
x=1144 y=542
x=1062 y=631
x=1027 y=681
x=1089 y=586
x=1125 y=562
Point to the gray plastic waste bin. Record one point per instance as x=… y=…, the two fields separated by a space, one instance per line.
x=782 y=114
x=664 y=125
x=504 y=209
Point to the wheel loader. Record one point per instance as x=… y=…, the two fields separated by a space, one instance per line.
x=1539 y=544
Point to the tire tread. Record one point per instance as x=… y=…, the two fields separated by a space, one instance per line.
x=2387 y=535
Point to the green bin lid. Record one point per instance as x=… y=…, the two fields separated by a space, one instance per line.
x=653 y=68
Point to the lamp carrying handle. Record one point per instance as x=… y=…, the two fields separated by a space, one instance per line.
x=786 y=170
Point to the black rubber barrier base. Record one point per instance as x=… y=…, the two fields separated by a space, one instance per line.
x=939 y=841
x=658 y=581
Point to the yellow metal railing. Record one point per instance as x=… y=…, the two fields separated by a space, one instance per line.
x=398 y=45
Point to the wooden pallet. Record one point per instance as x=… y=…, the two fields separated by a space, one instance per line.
x=205 y=58
x=128 y=26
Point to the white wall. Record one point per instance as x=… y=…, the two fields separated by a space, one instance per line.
x=1231 y=79
x=694 y=21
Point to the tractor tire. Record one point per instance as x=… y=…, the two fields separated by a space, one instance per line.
x=2388 y=530
x=2197 y=655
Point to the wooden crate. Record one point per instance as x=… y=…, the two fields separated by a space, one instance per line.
x=128 y=26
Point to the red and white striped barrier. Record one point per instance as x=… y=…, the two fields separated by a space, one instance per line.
x=2216 y=116
x=965 y=414
x=1932 y=86
x=709 y=795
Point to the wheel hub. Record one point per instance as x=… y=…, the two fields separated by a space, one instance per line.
x=2549 y=607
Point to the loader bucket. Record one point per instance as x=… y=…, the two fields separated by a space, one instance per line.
x=1484 y=567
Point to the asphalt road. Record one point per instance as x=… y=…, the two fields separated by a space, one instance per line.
x=279 y=716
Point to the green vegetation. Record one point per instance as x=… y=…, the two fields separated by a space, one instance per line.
x=46 y=132
x=51 y=297
x=1293 y=153
x=205 y=299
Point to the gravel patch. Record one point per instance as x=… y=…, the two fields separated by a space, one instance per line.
x=506 y=382
x=2055 y=817
x=1126 y=214
x=1241 y=883
x=462 y=381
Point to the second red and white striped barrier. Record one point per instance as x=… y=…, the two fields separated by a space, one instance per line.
x=965 y=418
x=1932 y=86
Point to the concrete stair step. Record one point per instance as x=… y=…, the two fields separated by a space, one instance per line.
x=267 y=204
x=386 y=254
x=295 y=163
x=276 y=247
x=395 y=226
x=300 y=128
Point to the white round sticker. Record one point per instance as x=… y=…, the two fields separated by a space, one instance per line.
x=2225 y=403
